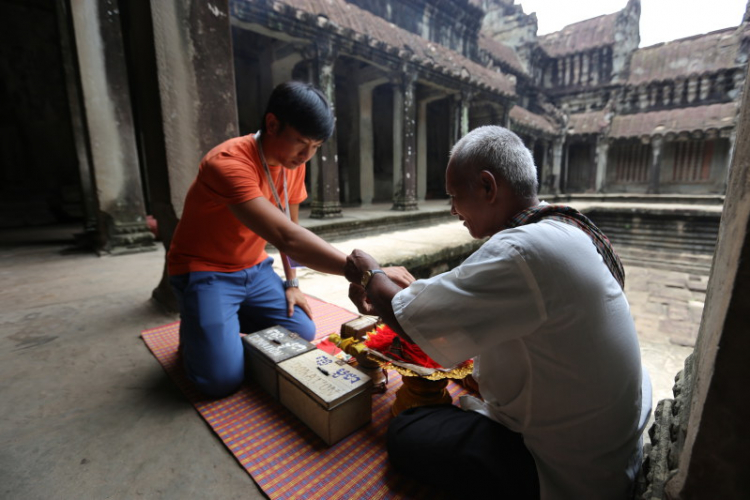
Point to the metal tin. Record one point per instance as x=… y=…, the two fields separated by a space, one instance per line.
x=330 y=397
x=265 y=349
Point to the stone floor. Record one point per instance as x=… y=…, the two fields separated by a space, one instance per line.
x=667 y=308
x=87 y=412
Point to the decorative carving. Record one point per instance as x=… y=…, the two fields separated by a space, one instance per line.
x=667 y=435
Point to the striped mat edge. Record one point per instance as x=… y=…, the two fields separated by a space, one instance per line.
x=284 y=457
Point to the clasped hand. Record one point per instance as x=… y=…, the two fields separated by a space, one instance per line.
x=357 y=263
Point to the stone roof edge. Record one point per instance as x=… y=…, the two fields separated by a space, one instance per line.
x=728 y=126
x=485 y=42
x=553 y=129
x=604 y=122
x=541 y=38
x=688 y=38
x=657 y=46
x=319 y=23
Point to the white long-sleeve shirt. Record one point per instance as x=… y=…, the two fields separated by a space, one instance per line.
x=555 y=350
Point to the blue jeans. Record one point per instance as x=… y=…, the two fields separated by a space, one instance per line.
x=215 y=308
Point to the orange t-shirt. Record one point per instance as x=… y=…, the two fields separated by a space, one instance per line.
x=209 y=237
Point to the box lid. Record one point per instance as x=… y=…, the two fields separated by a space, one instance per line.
x=277 y=343
x=328 y=379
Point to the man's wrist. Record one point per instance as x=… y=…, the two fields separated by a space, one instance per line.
x=368 y=275
x=291 y=283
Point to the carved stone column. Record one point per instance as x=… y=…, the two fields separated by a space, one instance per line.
x=505 y=118
x=404 y=141
x=655 y=170
x=196 y=90
x=730 y=156
x=324 y=169
x=602 y=150
x=454 y=125
x=595 y=67
x=565 y=167
x=422 y=124
x=692 y=89
x=466 y=97
x=542 y=167
x=365 y=87
x=557 y=152
x=115 y=165
x=78 y=121
x=585 y=68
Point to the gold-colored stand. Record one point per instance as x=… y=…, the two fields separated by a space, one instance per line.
x=418 y=391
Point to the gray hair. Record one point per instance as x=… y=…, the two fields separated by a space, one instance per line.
x=502 y=153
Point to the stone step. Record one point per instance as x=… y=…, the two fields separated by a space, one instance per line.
x=624 y=198
x=668 y=239
x=666 y=260
x=693 y=245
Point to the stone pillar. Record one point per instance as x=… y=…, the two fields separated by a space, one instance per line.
x=115 y=165
x=666 y=98
x=404 y=142
x=546 y=165
x=692 y=93
x=730 y=157
x=586 y=68
x=195 y=70
x=602 y=150
x=366 y=147
x=541 y=165
x=642 y=93
x=422 y=150
x=78 y=122
x=655 y=170
x=324 y=174
x=595 y=67
x=454 y=127
x=505 y=118
x=565 y=167
x=422 y=124
x=557 y=151
x=466 y=96
x=705 y=87
x=531 y=147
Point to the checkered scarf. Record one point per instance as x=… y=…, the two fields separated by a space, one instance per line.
x=575 y=218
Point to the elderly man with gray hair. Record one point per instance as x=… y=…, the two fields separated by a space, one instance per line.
x=540 y=307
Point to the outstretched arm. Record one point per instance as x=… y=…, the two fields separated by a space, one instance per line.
x=376 y=299
x=270 y=223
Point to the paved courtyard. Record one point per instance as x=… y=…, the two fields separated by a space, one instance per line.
x=87 y=412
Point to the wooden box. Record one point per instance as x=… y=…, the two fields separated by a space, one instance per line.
x=358 y=327
x=267 y=348
x=329 y=396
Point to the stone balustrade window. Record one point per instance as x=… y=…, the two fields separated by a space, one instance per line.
x=631 y=161
x=692 y=160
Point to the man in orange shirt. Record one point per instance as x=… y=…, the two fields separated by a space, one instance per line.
x=247 y=193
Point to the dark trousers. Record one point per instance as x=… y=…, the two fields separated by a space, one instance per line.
x=463 y=452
